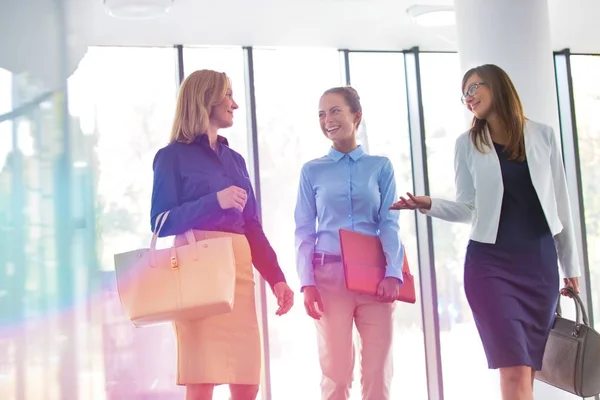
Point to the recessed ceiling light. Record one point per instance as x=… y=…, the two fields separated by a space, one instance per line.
x=137 y=9
x=432 y=16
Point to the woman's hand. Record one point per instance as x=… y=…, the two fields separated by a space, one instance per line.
x=312 y=302
x=572 y=283
x=285 y=297
x=412 y=203
x=388 y=290
x=232 y=197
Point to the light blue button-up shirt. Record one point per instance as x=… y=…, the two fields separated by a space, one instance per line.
x=351 y=191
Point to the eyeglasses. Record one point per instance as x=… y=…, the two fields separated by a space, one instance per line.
x=471 y=90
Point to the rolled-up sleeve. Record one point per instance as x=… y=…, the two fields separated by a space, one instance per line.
x=165 y=189
x=305 y=216
x=463 y=209
x=566 y=244
x=389 y=223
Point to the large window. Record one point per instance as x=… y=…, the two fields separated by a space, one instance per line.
x=31 y=342
x=445 y=120
x=124 y=97
x=121 y=103
x=124 y=100
x=288 y=86
x=586 y=88
x=384 y=131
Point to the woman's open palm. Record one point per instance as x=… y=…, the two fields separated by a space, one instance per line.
x=412 y=203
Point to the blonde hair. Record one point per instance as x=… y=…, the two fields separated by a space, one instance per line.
x=198 y=94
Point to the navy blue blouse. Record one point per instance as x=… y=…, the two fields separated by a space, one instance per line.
x=522 y=219
x=187 y=178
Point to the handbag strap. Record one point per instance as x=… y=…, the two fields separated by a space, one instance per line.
x=581 y=313
x=158 y=225
x=160 y=222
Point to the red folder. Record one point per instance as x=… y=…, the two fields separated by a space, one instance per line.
x=364 y=265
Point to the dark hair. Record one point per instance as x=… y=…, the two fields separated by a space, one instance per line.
x=350 y=96
x=508 y=108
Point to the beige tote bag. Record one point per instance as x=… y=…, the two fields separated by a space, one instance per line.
x=192 y=281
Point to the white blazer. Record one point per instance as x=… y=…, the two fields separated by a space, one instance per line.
x=479 y=191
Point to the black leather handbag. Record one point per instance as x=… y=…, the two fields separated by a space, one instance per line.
x=572 y=356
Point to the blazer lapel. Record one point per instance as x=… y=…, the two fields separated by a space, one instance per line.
x=532 y=153
x=487 y=172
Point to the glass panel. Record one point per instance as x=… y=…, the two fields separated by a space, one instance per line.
x=445 y=120
x=33 y=351
x=288 y=85
x=5 y=107
x=586 y=88
x=384 y=131
x=15 y=336
x=8 y=332
x=123 y=99
x=231 y=61
x=6 y=100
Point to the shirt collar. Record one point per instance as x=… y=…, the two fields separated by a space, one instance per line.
x=203 y=139
x=355 y=154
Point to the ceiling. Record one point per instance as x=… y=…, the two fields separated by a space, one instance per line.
x=30 y=30
x=351 y=24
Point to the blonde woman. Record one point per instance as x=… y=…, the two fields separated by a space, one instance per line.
x=206 y=186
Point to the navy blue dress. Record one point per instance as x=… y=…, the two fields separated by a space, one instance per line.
x=512 y=285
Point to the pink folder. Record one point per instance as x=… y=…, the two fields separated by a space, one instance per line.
x=364 y=265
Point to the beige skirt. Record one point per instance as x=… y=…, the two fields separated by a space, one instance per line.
x=226 y=348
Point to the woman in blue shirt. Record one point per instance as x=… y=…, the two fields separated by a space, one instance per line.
x=347 y=189
x=206 y=187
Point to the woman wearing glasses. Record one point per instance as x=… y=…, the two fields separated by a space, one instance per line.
x=511 y=187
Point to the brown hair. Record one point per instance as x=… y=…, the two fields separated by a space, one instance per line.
x=198 y=94
x=351 y=98
x=508 y=108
